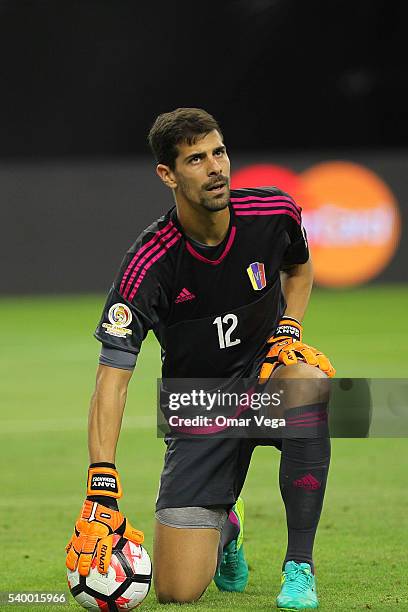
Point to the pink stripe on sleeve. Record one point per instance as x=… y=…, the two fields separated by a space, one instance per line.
x=289 y=205
x=267 y=205
x=142 y=274
x=150 y=252
x=276 y=198
x=142 y=250
x=275 y=211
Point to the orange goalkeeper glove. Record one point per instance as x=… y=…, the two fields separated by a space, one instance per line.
x=287 y=348
x=97 y=522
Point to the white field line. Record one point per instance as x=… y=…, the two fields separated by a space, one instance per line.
x=64 y=424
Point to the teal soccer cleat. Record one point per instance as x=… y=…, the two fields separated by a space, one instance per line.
x=298 y=590
x=233 y=571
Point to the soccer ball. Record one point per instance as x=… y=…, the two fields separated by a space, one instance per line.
x=124 y=586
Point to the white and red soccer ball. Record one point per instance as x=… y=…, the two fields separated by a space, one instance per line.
x=125 y=585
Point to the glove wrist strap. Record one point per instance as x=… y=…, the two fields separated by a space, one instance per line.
x=103 y=481
x=289 y=327
x=286 y=318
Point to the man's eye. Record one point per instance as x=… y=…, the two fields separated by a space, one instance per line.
x=219 y=153
x=194 y=160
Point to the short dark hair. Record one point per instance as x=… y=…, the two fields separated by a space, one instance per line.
x=181 y=125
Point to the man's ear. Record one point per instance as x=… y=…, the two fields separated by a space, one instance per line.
x=166 y=175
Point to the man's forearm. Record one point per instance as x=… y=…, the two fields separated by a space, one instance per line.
x=296 y=287
x=106 y=412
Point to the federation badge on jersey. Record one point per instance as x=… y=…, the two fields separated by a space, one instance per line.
x=120 y=317
x=256 y=273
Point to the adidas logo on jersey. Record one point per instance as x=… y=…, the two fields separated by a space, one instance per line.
x=307 y=482
x=184 y=296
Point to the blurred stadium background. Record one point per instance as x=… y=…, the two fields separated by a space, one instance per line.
x=313 y=98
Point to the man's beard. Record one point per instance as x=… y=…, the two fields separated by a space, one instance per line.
x=211 y=203
x=214 y=204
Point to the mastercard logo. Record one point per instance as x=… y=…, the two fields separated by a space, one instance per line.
x=351 y=217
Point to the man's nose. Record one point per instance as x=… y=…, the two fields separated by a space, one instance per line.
x=214 y=166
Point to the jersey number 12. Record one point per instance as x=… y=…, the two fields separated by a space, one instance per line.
x=224 y=337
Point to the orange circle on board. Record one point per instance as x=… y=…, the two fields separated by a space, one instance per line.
x=269 y=175
x=352 y=222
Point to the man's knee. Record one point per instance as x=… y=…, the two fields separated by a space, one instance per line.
x=176 y=593
x=182 y=587
x=298 y=370
x=185 y=559
x=302 y=385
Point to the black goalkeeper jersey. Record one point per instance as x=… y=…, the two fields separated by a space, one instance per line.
x=210 y=309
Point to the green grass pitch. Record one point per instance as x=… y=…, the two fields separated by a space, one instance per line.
x=47 y=366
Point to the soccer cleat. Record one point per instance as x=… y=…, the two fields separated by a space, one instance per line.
x=232 y=574
x=298 y=590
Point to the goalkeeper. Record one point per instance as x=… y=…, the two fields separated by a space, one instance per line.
x=223 y=280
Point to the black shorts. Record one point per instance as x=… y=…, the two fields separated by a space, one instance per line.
x=206 y=471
